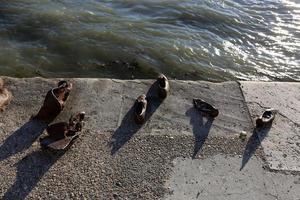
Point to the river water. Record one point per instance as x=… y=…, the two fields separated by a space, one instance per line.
x=185 y=39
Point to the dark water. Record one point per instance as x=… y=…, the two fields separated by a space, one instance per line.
x=206 y=40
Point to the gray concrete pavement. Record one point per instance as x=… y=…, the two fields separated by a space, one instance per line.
x=219 y=178
x=116 y=159
x=281 y=145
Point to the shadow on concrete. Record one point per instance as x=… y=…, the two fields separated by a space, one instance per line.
x=253 y=143
x=201 y=128
x=128 y=126
x=124 y=132
x=29 y=171
x=22 y=138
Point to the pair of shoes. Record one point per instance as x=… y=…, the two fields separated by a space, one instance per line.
x=61 y=134
x=266 y=119
x=5 y=95
x=54 y=102
x=141 y=102
x=206 y=108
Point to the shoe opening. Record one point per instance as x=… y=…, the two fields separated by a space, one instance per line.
x=162 y=82
x=139 y=108
x=267 y=114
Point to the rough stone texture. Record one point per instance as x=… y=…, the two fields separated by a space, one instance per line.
x=282 y=142
x=219 y=178
x=88 y=170
x=114 y=158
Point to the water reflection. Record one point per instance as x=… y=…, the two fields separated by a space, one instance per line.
x=208 y=40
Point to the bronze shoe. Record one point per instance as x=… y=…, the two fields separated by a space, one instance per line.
x=5 y=95
x=266 y=119
x=140 y=109
x=58 y=130
x=61 y=134
x=54 y=102
x=76 y=122
x=205 y=108
x=163 y=86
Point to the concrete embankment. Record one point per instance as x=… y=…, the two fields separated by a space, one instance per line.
x=116 y=159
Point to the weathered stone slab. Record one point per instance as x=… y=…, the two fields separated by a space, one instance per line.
x=176 y=115
x=99 y=98
x=282 y=143
x=107 y=102
x=219 y=177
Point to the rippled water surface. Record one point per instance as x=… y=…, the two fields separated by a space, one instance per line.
x=186 y=39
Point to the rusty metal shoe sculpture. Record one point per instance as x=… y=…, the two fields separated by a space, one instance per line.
x=54 y=102
x=266 y=119
x=163 y=86
x=140 y=108
x=205 y=108
x=5 y=96
x=76 y=122
x=62 y=134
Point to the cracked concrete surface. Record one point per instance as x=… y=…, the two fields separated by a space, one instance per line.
x=282 y=144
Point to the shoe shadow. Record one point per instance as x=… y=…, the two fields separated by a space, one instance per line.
x=153 y=100
x=201 y=127
x=29 y=171
x=253 y=143
x=22 y=138
x=128 y=126
x=124 y=132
